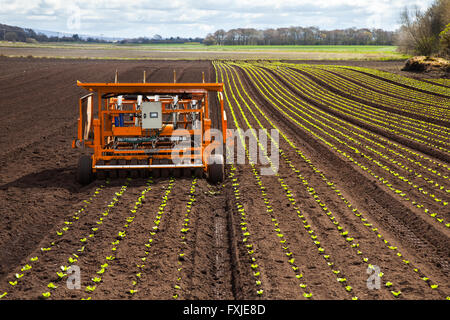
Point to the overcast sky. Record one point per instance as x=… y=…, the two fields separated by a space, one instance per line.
x=188 y=18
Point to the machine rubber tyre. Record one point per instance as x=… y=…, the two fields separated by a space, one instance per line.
x=216 y=171
x=84 y=170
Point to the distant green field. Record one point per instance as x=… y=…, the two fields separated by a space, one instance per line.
x=199 y=46
x=197 y=51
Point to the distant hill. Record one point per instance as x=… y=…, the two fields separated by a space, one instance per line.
x=82 y=36
x=14 y=33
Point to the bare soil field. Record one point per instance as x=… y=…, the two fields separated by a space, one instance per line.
x=351 y=198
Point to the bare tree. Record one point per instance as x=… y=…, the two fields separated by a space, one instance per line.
x=300 y=36
x=420 y=31
x=219 y=36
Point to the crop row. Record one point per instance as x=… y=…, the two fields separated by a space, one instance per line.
x=340 y=106
x=84 y=242
x=121 y=235
x=414 y=129
x=441 y=81
x=355 y=211
x=413 y=83
x=336 y=120
x=245 y=230
x=388 y=87
x=184 y=231
x=152 y=235
x=371 y=96
x=269 y=209
x=289 y=195
x=319 y=130
x=246 y=241
x=284 y=243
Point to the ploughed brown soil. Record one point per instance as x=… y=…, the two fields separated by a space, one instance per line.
x=39 y=197
x=38 y=192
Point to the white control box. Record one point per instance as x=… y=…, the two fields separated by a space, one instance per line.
x=151 y=115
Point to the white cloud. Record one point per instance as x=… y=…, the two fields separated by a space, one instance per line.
x=134 y=18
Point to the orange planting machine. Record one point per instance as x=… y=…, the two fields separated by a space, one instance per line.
x=151 y=128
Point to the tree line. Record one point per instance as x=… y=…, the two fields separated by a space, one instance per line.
x=300 y=36
x=12 y=33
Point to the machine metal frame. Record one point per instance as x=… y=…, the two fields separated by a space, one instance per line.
x=119 y=143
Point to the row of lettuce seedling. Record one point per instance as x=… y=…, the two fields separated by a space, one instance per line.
x=68 y=224
x=436 y=143
x=309 y=112
x=288 y=193
x=246 y=242
x=348 y=204
x=354 y=150
x=403 y=80
x=388 y=87
x=357 y=109
x=97 y=278
x=143 y=260
x=301 y=84
x=84 y=242
x=396 y=124
x=184 y=231
x=361 y=92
